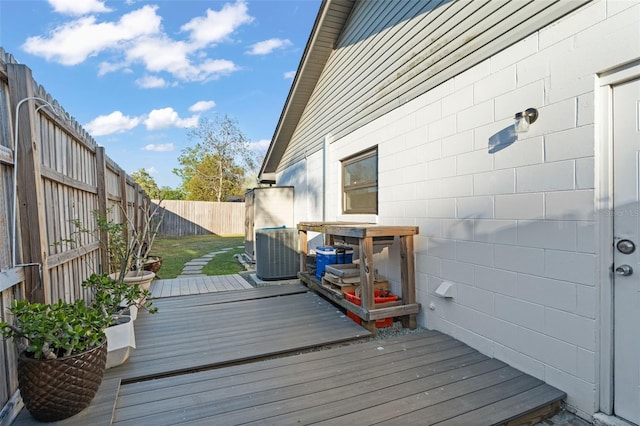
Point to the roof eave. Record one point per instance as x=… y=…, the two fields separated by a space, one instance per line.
x=314 y=58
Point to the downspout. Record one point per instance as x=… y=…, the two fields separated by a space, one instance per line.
x=325 y=182
x=306 y=183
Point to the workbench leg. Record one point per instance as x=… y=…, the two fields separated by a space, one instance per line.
x=367 y=273
x=409 y=321
x=408 y=279
x=302 y=237
x=370 y=326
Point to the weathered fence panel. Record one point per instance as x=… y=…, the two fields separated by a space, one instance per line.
x=202 y=218
x=53 y=178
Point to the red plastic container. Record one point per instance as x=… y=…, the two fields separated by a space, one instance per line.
x=350 y=295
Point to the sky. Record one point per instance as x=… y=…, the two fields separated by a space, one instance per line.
x=138 y=74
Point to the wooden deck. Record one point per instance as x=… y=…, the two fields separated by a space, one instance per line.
x=210 y=359
x=197 y=285
x=210 y=330
x=420 y=379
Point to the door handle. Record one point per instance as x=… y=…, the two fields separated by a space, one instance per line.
x=624 y=270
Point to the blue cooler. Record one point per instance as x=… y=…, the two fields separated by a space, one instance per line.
x=331 y=255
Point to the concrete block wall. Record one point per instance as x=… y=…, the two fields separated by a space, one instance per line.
x=514 y=230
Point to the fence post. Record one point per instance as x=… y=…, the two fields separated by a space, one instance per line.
x=101 y=172
x=124 y=202
x=31 y=206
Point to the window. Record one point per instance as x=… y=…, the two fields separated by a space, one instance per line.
x=360 y=183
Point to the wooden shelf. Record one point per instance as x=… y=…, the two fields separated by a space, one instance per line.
x=365 y=235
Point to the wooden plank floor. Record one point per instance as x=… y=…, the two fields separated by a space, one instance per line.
x=208 y=359
x=99 y=413
x=197 y=285
x=425 y=378
x=211 y=330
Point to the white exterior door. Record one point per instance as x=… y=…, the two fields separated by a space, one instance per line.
x=626 y=190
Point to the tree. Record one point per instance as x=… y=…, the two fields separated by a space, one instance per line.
x=147 y=183
x=215 y=167
x=168 y=193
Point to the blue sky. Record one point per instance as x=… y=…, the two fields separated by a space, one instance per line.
x=138 y=74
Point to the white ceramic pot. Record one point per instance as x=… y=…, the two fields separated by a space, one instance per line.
x=121 y=339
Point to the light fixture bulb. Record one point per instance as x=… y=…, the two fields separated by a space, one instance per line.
x=522 y=125
x=524 y=119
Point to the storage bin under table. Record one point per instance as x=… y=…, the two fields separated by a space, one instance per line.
x=331 y=255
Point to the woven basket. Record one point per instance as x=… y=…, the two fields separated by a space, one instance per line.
x=153 y=264
x=56 y=389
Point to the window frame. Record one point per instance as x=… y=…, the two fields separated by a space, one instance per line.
x=360 y=156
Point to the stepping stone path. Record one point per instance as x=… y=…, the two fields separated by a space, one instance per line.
x=193 y=268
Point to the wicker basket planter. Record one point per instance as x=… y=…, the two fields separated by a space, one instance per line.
x=56 y=389
x=153 y=264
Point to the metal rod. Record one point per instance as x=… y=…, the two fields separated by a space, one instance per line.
x=15 y=170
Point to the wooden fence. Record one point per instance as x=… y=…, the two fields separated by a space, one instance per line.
x=59 y=178
x=202 y=217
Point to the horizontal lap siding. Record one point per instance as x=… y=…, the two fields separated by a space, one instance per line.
x=393 y=51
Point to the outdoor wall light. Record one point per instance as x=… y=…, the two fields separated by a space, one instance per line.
x=524 y=119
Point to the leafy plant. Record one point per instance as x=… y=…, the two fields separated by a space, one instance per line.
x=129 y=246
x=57 y=330
x=111 y=296
x=126 y=245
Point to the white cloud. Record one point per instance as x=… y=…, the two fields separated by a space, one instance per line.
x=151 y=82
x=116 y=122
x=267 y=46
x=202 y=106
x=106 y=68
x=78 y=8
x=165 y=147
x=73 y=42
x=289 y=75
x=168 y=117
x=215 y=68
x=217 y=26
x=260 y=145
x=137 y=38
x=160 y=53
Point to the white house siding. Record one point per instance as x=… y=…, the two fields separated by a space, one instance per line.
x=391 y=51
x=514 y=230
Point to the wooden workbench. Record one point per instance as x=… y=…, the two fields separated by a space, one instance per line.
x=365 y=235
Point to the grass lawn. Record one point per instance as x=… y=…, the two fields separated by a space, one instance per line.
x=176 y=251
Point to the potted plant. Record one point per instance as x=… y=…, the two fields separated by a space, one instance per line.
x=62 y=358
x=120 y=302
x=129 y=246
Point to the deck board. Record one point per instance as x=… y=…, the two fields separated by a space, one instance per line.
x=209 y=358
x=228 y=296
x=197 y=285
x=99 y=413
x=423 y=378
x=196 y=332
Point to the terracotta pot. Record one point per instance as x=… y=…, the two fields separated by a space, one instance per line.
x=55 y=389
x=141 y=277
